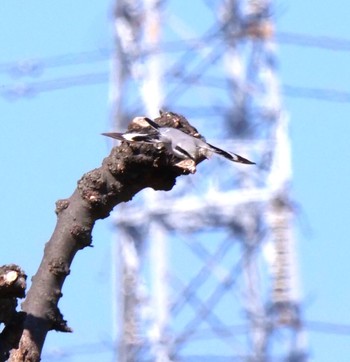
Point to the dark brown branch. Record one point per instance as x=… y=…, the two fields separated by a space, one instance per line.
x=126 y=171
x=12 y=286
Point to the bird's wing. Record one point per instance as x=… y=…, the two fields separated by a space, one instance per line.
x=182 y=153
x=230 y=156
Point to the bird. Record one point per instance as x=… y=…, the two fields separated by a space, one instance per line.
x=180 y=144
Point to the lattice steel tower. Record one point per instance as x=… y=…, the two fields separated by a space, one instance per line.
x=207 y=272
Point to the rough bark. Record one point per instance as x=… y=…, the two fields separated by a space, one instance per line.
x=12 y=286
x=127 y=170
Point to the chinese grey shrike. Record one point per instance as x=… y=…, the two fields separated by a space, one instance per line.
x=179 y=143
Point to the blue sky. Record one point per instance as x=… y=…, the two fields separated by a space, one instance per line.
x=48 y=140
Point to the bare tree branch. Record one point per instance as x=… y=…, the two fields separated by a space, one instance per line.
x=12 y=286
x=127 y=170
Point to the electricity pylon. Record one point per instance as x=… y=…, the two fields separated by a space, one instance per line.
x=208 y=271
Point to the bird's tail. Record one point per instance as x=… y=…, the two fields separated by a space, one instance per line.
x=116 y=135
x=230 y=156
x=153 y=124
x=135 y=137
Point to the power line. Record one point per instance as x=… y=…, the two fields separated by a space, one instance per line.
x=322 y=94
x=37 y=65
x=30 y=89
x=106 y=346
x=306 y=40
x=328 y=328
x=78 y=350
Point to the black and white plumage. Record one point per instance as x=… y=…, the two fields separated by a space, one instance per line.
x=179 y=143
